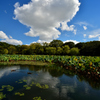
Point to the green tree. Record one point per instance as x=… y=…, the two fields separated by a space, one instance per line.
x=1 y=49
x=11 y=50
x=50 y=50
x=23 y=49
x=66 y=49
x=74 y=51
x=5 y=51
x=45 y=44
x=34 y=47
x=56 y=43
x=40 y=50
x=59 y=50
x=70 y=44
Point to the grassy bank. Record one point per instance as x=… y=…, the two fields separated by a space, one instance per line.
x=25 y=63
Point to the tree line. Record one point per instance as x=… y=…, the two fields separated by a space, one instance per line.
x=55 y=47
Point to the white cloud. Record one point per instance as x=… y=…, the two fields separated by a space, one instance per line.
x=44 y=16
x=84 y=23
x=9 y=40
x=94 y=33
x=71 y=41
x=12 y=41
x=66 y=27
x=10 y=37
x=74 y=31
x=3 y=35
x=85 y=28
x=84 y=35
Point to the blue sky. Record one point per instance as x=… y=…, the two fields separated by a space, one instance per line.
x=29 y=21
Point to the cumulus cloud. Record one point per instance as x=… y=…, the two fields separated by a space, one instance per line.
x=12 y=41
x=84 y=35
x=71 y=41
x=45 y=16
x=9 y=40
x=10 y=37
x=94 y=33
x=85 y=28
x=3 y=35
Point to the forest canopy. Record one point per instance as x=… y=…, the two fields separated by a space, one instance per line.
x=55 y=47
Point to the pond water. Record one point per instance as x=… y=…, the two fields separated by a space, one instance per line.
x=44 y=83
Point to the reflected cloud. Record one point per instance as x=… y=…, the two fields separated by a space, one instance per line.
x=7 y=70
x=54 y=83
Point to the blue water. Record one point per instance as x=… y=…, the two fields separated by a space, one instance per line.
x=61 y=86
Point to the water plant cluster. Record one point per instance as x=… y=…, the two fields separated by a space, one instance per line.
x=10 y=88
x=20 y=94
x=28 y=87
x=2 y=95
x=37 y=98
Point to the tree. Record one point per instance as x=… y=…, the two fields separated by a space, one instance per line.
x=70 y=44
x=11 y=50
x=59 y=50
x=1 y=50
x=80 y=45
x=40 y=50
x=5 y=51
x=74 y=51
x=23 y=49
x=91 y=48
x=50 y=50
x=34 y=47
x=56 y=43
x=66 y=49
x=45 y=44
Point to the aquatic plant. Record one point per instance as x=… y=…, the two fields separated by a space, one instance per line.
x=8 y=87
x=2 y=95
x=20 y=94
x=37 y=98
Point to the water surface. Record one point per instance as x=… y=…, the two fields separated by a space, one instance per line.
x=60 y=84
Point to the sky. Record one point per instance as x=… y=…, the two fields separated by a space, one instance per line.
x=23 y=22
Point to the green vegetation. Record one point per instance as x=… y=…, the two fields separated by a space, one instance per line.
x=87 y=64
x=2 y=95
x=9 y=88
x=20 y=94
x=55 y=47
x=37 y=98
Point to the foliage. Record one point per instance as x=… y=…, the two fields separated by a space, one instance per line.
x=66 y=49
x=5 y=51
x=50 y=50
x=91 y=48
x=56 y=43
x=11 y=50
x=74 y=51
x=59 y=50
x=70 y=44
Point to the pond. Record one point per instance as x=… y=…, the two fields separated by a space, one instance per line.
x=24 y=82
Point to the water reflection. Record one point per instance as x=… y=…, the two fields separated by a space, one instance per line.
x=7 y=70
x=63 y=84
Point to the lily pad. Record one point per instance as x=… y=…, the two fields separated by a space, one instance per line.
x=2 y=95
x=28 y=88
x=37 y=98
